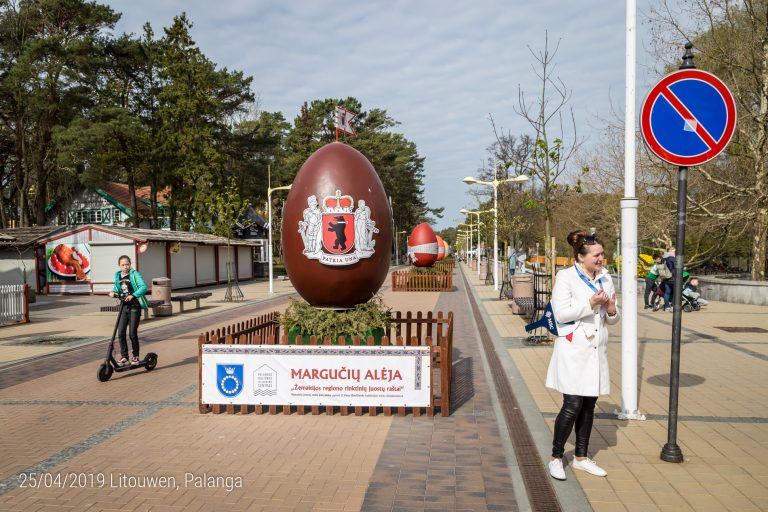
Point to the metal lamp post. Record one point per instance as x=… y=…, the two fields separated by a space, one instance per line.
x=476 y=212
x=466 y=236
x=469 y=225
x=469 y=180
x=462 y=236
x=269 y=221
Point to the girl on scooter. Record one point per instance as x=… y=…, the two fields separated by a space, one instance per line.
x=130 y=287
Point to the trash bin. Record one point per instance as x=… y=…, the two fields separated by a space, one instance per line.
x=522 y=293
x=161 y=290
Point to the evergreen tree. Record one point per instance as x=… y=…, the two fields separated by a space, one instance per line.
x=195 y=101
x=50 y=51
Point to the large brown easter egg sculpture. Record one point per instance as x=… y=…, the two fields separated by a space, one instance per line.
x=337 y=229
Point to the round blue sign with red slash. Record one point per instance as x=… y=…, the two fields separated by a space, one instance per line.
x=688 y=118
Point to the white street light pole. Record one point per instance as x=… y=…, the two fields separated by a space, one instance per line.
x=629 y=246
x=461 y=236
x=469 y=180
x=269 y=223
x=470 y=234
x=476 y=212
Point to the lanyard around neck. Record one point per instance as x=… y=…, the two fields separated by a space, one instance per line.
x=584 y=278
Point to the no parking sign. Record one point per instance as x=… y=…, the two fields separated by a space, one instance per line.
x=688 y=117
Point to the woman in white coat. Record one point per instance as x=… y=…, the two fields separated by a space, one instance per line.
x=583 y=302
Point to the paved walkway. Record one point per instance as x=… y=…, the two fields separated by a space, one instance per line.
x=95 y=446
x=63 y=424
x=723 y=423
x=62 y=322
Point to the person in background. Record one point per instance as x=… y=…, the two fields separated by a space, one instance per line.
x=650 y=280
x=669 y=261
x=583 y=303
x=511 y=260
x=131 y=289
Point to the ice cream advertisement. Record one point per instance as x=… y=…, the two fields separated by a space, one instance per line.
x=68 y=262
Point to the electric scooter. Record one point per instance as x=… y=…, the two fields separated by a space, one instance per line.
x=110 y=365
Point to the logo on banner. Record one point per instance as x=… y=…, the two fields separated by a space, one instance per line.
x=229 y=379
x=264 y=381
x=338 y=234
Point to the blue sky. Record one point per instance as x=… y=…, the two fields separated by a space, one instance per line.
x=438 y=67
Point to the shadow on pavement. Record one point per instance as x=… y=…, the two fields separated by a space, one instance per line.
x=686 y=380
x=462 y=388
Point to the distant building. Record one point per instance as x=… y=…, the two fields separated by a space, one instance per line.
x=108 y=205
x=48 y=257
x=96 y=225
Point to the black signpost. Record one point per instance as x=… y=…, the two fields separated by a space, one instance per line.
x=687 y=119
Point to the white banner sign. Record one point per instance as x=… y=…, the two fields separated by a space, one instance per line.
x=316 y=375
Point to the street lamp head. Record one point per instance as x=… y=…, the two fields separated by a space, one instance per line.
x=469 y=180
x=275 y=189
x=463 y=210
x=519 y=179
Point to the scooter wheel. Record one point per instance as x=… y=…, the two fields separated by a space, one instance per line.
x=151 y=361
x=696 y=306
x=105 y=372
x=687 y=308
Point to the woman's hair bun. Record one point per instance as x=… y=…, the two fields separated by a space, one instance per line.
x=573 y=237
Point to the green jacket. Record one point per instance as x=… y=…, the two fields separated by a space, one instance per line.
x=139 y=286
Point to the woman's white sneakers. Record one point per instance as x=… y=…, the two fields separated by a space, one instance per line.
x=587 y=465
x=556 y=469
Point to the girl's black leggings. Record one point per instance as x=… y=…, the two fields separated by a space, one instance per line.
x=579 y=410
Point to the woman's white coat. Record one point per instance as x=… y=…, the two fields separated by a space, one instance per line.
x=580 y=366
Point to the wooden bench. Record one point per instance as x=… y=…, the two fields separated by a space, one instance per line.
x=181 y=299
x=150 y=303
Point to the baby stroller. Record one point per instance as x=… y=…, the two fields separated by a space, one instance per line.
x=691 y=296
x=690 y=301
x=657 y=299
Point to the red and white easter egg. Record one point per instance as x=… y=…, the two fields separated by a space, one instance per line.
x=441 y=247
x=422 y=246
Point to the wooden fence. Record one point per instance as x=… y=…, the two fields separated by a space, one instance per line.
x=445 y=265
x=407 y=281
x=402 y=330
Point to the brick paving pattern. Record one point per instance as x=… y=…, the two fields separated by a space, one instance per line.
x=454 y=463
x=59 y=421
x=52 y=363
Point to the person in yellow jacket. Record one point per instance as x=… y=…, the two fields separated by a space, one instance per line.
x=583 y=302
x=130 y=287
x=650 y=281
